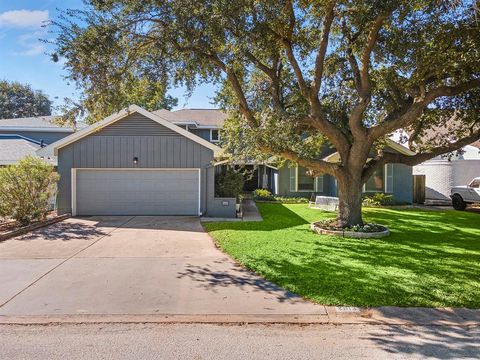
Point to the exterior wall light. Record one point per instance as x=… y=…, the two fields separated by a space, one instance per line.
x=135 y=160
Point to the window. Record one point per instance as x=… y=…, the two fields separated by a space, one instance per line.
x=304 y=181
x=301 y=182
x=475 y=183
x=376 y=181
x=214 y=135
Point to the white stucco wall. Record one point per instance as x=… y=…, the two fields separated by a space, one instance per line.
x=441 y=175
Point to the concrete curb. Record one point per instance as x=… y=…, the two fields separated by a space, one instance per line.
x=165 y=319
x=32 y=227
x=335 y=316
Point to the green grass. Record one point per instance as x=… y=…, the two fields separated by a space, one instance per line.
x=431 y=258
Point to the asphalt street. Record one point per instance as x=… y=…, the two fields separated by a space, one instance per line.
x=203 y=341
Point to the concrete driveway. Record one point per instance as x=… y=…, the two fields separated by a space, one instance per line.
x=132 y=265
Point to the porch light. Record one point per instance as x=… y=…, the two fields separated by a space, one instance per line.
x=135 y=160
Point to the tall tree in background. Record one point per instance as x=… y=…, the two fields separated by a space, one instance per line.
x=297 y=76
x=20 y=100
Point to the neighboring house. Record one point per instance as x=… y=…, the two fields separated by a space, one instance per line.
x=444 y=172
x=23 y=136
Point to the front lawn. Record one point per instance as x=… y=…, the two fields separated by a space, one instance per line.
x=432 y=258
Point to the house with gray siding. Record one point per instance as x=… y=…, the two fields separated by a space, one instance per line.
x=24 y=136
x=137 y=163
x=164 y=162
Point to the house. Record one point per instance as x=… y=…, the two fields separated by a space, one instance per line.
x=444 y=172
x=137 y=162
x=24 y=136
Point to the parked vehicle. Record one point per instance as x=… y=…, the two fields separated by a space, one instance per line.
x=466 y=194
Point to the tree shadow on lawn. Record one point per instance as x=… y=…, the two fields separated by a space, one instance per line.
x=430 y=259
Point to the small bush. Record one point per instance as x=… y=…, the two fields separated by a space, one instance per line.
x=266 y=195
x=378 y=199
x=263 y=194
x=229 y=184
x=25 y=189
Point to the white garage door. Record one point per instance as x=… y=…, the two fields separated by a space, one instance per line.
x=136 y=192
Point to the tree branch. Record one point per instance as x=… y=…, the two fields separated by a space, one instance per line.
x=419 y=158
x=317 y=166
x=410 y=113
x=365 y=58
x=322 y=50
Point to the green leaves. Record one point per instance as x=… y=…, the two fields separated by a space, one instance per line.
x=20 y=100
x=26 y=189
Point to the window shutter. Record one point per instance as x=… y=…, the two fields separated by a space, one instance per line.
x=389 y=178
x=293 y=179
x=319 y=184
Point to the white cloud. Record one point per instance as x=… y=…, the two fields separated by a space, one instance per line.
x=23 y=18
x=31 y=44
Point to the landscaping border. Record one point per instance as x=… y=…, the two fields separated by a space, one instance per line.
x=351 y=234
x=31 y=227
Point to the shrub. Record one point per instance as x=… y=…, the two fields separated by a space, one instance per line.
x=25 y=189
x=229 y=184
x=378 y=199
x=263 y=194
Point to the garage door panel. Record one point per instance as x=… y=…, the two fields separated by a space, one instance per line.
x=137 y=192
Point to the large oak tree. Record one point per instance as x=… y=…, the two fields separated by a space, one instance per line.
x=297 y=76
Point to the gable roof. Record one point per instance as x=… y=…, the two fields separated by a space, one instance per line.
x=15 y=147
x=207 y=118
x=53 y=148
x=335 y=157
x=39 y=123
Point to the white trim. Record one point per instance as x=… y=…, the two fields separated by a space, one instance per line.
x=22 y=137
x=46 y=151
x=74 y=191
x=199 y=192
x=197 y=126
x=218 y=133
x=35 y=129
x=74 y=182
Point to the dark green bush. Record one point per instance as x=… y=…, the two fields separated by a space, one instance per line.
x=229 y=184
x=378 y=199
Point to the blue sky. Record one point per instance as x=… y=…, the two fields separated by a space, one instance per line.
x=23 y=55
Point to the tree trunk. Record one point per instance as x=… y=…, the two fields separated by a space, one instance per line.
x=350 y=202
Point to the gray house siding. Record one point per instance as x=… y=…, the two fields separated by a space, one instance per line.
x=218 y=207
x=284 y=185
x=203 y=133
x=401 y=175
x=116 y=145
x=48 y=137
x=403 y=183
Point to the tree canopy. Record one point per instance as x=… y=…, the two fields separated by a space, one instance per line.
x=20 y=100
x=297 y=76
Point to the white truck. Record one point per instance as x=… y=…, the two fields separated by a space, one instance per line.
x=466 y=194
